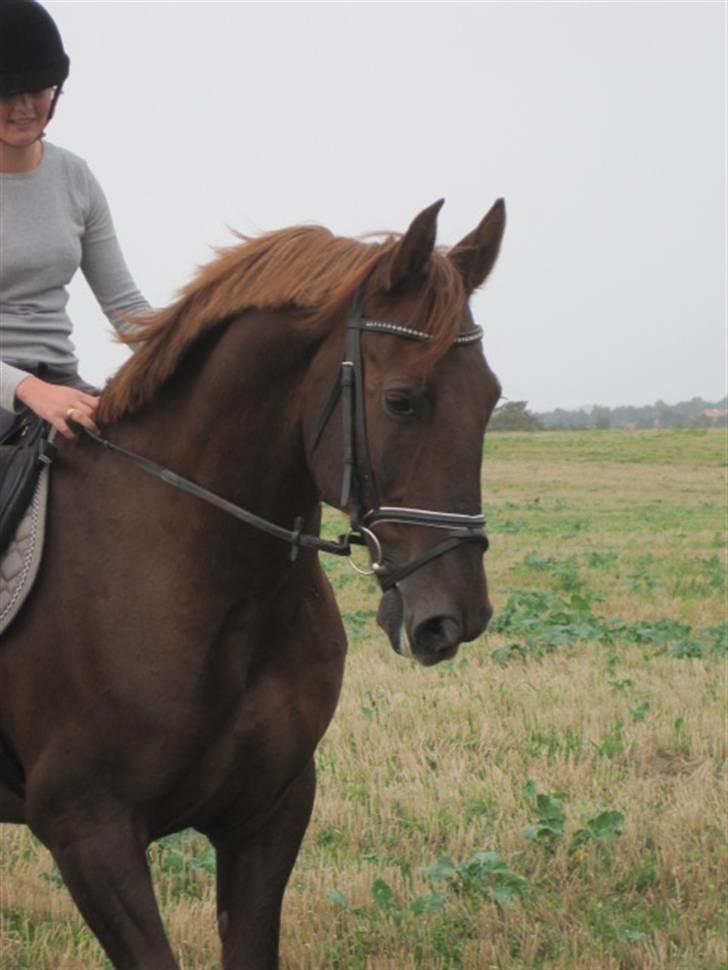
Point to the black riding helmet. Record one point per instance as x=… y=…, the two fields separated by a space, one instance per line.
x=31 y=50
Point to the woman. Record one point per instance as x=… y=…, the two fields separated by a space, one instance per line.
x=53 y=218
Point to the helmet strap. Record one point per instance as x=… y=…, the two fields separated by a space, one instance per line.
x=56 y=96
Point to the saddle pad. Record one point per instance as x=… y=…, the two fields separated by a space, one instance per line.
x=19 y=564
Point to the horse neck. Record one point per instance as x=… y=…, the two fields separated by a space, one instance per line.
x=230 y=419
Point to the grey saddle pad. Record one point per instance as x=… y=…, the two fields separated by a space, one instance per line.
x=19 y=564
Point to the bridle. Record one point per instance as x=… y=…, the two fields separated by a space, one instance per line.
x=358 y=473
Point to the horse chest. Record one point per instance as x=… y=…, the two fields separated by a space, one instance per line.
x=271 y=714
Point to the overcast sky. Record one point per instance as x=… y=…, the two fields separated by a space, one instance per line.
x=602 y=125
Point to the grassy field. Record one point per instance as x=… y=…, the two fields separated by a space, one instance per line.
x=553 y=798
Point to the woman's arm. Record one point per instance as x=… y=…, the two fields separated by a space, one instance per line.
x=10 y=377
x=103 y=263
x=106 y=271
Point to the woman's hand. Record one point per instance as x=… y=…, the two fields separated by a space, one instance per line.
x=58 y=404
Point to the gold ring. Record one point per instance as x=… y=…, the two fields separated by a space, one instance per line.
x=70 y=412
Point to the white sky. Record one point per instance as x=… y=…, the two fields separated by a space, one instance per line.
x=602 y=124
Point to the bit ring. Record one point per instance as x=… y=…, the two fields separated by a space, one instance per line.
x=377 y=565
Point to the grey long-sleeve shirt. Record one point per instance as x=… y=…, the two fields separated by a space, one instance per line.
x=53 y=220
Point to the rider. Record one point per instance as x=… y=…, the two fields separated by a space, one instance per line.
x=53 y=218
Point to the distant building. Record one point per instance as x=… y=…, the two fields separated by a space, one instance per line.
x=715 y=414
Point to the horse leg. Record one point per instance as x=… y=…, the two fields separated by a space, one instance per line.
x=252 y=873
x=103 y=862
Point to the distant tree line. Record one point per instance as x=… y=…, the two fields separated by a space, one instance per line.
x=695 y=413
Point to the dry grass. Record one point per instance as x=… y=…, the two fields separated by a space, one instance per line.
x=421 y=764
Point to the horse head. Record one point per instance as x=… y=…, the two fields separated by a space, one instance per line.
x=411 y=432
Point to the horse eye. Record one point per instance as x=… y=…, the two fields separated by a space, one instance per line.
x=400 y=404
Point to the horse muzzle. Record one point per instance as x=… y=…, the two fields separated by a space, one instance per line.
x=429 y=629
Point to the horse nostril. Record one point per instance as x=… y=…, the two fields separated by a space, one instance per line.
x=437 y=635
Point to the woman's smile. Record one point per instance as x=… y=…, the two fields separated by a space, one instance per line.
x=22 y=120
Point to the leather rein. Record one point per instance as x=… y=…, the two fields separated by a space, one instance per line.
x=358 y=474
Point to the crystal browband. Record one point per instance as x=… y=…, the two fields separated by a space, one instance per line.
x=469 y=337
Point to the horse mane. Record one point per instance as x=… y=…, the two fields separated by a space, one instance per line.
x=303 y=267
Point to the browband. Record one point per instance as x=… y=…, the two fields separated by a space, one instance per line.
x=397 y=330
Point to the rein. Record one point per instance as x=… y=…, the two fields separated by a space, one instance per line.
x=296 y=538
x=349 y=388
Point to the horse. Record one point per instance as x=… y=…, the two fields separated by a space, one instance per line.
x=175 y=665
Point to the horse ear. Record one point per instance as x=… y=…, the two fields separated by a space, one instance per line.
x=475 y=255
x=413 y=250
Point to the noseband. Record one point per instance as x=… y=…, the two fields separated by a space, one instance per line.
x=358 y=474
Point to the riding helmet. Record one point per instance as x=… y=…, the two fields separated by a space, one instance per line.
x=31 y=50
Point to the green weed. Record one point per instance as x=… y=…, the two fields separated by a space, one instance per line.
x=549 y=828
x=483 y=874
x=541 y=621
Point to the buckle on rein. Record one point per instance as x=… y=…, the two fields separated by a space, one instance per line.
x=342 y=547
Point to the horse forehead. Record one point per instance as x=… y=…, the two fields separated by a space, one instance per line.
x=389 y=349
x=461 y=374
x=409 y=307
x=465 y=369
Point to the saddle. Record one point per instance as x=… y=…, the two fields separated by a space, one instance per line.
x=23 y=455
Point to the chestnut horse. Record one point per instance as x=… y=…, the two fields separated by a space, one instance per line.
x=176 y=667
